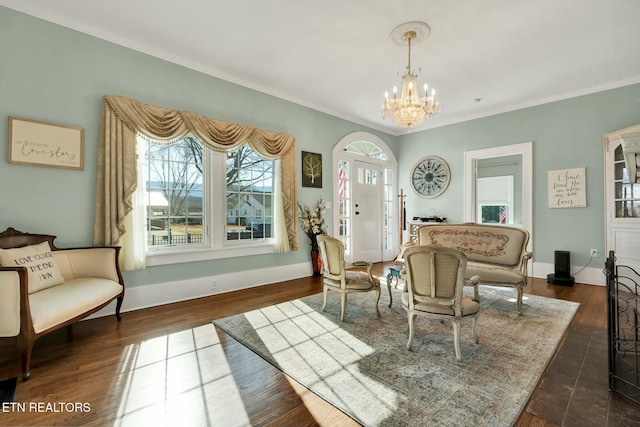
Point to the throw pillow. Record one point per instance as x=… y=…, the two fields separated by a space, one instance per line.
x=42 y=269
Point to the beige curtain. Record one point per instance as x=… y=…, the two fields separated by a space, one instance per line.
x=123 y=119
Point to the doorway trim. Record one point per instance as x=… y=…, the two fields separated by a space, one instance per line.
x=391 y=162
x=470 y=173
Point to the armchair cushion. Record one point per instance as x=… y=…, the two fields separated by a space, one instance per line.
x=469 y=306
x=42 y=269
x=55 y=306
x=355 y=280
x=494 y=273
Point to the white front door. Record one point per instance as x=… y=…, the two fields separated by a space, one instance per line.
x=367 y=185
x=622 y=201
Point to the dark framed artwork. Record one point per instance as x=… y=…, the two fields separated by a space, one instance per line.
x=311 y=169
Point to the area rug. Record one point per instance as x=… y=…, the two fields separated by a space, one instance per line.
x=362 y=367
x=8 y=389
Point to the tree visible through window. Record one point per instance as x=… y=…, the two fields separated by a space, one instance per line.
x=250 y=191
x=174 y=196
x=179 y=186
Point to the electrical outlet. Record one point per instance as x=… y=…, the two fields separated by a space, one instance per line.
x=214 y=285
x=594 y=253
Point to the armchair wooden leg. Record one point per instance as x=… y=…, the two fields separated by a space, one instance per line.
x=475 y=329
x=26 y=345
x=343 y=304
x=377 y=297
x=118 y=306
x=519 y=303
x=456 y=338
x=324 y=304
x=412 y=319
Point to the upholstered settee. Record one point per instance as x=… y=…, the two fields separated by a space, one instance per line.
x=44 y=288
x=496 y=253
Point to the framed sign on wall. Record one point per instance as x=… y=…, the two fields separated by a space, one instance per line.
x=567 y=188
x=38 y=143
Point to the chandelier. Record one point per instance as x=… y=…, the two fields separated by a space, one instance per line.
x=410 y=109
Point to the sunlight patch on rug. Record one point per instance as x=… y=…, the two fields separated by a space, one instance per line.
x=362 y=367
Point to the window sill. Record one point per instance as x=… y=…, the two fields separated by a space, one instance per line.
x=181 y=255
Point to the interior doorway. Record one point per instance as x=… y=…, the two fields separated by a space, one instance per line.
x=523 y=199
x=365 y=197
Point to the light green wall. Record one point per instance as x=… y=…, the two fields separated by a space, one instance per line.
x=53 y=74
x=565 y=134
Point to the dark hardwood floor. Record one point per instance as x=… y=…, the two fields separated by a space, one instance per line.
x=170 y=366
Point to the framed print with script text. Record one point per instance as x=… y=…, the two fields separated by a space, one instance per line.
x=37 y=143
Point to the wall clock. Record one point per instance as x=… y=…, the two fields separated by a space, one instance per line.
x=430 y=177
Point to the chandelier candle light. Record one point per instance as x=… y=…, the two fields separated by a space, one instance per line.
x=410 y=109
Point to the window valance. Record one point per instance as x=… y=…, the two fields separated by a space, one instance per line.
x=124 y=119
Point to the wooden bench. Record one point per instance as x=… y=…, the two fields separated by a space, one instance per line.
x=496 y=253
x=44 y=288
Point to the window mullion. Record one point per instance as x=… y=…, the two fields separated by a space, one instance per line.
x=217 y=192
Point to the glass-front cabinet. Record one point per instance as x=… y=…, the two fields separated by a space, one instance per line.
x=622 y=201
x=626 y=195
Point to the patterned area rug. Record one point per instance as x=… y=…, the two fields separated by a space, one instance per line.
x=362 y=367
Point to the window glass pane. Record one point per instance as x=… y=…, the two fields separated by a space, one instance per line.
x=621 y=172
x=495 y=214
x=628 y=209
x=366 y=148
x=249 y=195
x=343 y=230
x=619 y=155
x=174 y=196
x=626 y=190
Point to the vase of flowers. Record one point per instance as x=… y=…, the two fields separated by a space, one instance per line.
x=312 y=221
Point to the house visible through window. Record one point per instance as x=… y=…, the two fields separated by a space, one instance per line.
x=250 y=191
x=185 y=183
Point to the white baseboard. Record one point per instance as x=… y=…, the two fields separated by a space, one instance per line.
x=589 y=276
x=164 y=293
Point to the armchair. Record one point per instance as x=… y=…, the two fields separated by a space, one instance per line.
x=338 y=277
x=44 y=288
x=434 y=279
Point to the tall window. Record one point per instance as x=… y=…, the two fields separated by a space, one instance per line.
x=389 y=201
x=174 y=198
x=184 y=184
x=249 y=195
x=344 y=199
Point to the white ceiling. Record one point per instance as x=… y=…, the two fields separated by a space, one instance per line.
x=336 y=56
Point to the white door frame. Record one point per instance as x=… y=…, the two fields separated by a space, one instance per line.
x=621 y=234
x=339 y=153
x=471 y=172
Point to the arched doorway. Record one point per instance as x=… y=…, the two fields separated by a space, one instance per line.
x=365 y=197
